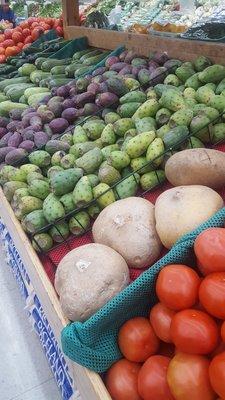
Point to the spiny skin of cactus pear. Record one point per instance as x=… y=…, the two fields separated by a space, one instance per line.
x=119 y=159
x=94 y=210
x=40 y=158
x=147 y=109
x=122 y=126
x=140 y=164
x=103 y=195
x=59 y=232
x=152 y=179
x=19 y=193
x=79 y=223
x=34 y=221
x=108 y=174
x=28 y=204
x=82 y=194
x=9 y=188
x=106 y=151
x=42 y=242
x=128 y=187
x=181 y=117
x=39 y=188
x=93 y=180
x=155 y=152
x=53 y=169
x=90 y=161
x=52 y=208
x=68 y=161
x=67 y=202
x=218 y=102
x=108 y=135
x=94 y=129
x=139 y=144
x=111 y=117
x=57 y=157
x=204 y=95
x=63 y=182
x=162 y=116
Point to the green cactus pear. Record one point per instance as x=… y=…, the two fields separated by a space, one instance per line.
x=111 y=117
x=172 y=100
x=198 y=108
x=17 y=175
x=190 y=103
x=211 y=86
x=144 y=77
x=148 y=109
x=155 y=152
x=39 y=188
x=103 y=195
x=119 y=159
x=201 y=63
x=63 y=182
x=193 y=143
x=34 y=176
x=68 y=161
x=79 y=223
x=57 y=157
x=94 y=129
x=210 y=112
x=42 y=242
x=10 y=187
x=199 y=127
x=204 y=95
x=220 y=87
x=218 y=133
x=53 y=170
x=34 y=221
x=162 y=131
x=151 y=94
x=161 y=88
x=152 y=179
x=122 y=126
x=59 y=232
x=127 y=110
x=79 y=149
x=131 y=83
x=172 y=79
x=98 y=143
x=67 y=138
x=108 y=174
x=5 y=172
x=213 y=74
x=189 y=93
x=27 y=168
x=128 y=187
x=162 y=116
x=106 y=151
x=52 y=208
x=94 y=211
x=67 y=202
x=40 y=158
x=193 y=82
x=139 y=144
x=18 y=194
x=90 y=161
x=93 y=179
x=181 y=117
x=27 y=204
x=108 y=135
x=135 y=96
x=82 y=194
x=126 y=171
x=131 y=133
x=79 y=135
x=140 y=165
x=145 y=124
x=218 y=102
x=184 y=72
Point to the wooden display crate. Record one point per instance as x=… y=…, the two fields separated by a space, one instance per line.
x=89 y=384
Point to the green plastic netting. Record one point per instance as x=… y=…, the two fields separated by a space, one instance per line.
x=52 y=34
x=71 y=48
x=93 y=343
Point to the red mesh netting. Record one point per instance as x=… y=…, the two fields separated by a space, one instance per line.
x=51 y=259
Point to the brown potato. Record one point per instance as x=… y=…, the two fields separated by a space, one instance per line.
x=181 y=209
x=128 y=226
x=87 y=278
x=197 y=167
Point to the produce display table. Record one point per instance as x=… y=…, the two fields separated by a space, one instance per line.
x=45 y=314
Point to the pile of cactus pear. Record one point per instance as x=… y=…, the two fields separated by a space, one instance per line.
x=143 y=108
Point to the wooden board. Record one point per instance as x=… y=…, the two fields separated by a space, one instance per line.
x=186 y=50
x=89 y=384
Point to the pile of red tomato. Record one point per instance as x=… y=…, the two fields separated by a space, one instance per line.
x=178 y=353
x=12 y=41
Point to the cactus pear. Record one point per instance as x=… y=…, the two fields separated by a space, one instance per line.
x=199 y=127
x=162 y=116
x=67 y=202
x=42 y=242
x=68 y=161
x=152 y=179
x=148 y=109
x=27 y=168
x=10 y=187
x=172 y=100
x=34 y=221
x=213 y=74
x=218 y=133
x=82 y=194
x=145 y=124
x=94 y=129
x=94 y=211
x=119 y=159
x=108 y=174
x=57 y=157
x=181 y=117
x=63 y=182
x=79 y=223
x=79 y=135
x=40 y=158
x=108 y=135
x=201 y=63
x=128 y=187
x=106 y=151
x=135 y=96
x=155 y=152
x=52 y=208
x=172 y=79
x=59 y=232
x=103 y=195
x=218 y=102
x=140 y=165
x=39 y=189
x=139 y=144
x=111 y=117
x=122 y=126
x=193 y=82
x=27 y=204
x=90 y=161
x=204 y=95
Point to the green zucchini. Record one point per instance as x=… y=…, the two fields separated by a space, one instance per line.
x=58 y=82
x=39 y=61
x=37 y=76
x=58 y=69
x=7 y=106
x=34 y=90
x=50 y=63
x=95 y=59
x=91 y=53
x=81 y=71
x=70 y=69
x=6 y=82
x=80 y=53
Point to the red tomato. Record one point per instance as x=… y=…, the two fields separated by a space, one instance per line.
x=8 y=43
x=217 y=374
x=11 y=51
x=17 y=37
x=209 y=249
x=20 y=45
x=34 y=24
x=220 y=348
x=59 y=30
x=2 y=51
x=188 y=378
x=122 y=380
x=37 y=32
x=152 y=382
x=137 y=340
x=194 y=332
x=28 y=40
x=212 y=294
x=166 y=349
x=223 y=332
x=26 y=32
x=8 y=33
x=160 y=318
x=24 y=25
x=2 y=59
x=2 y=38
x=177 y=287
